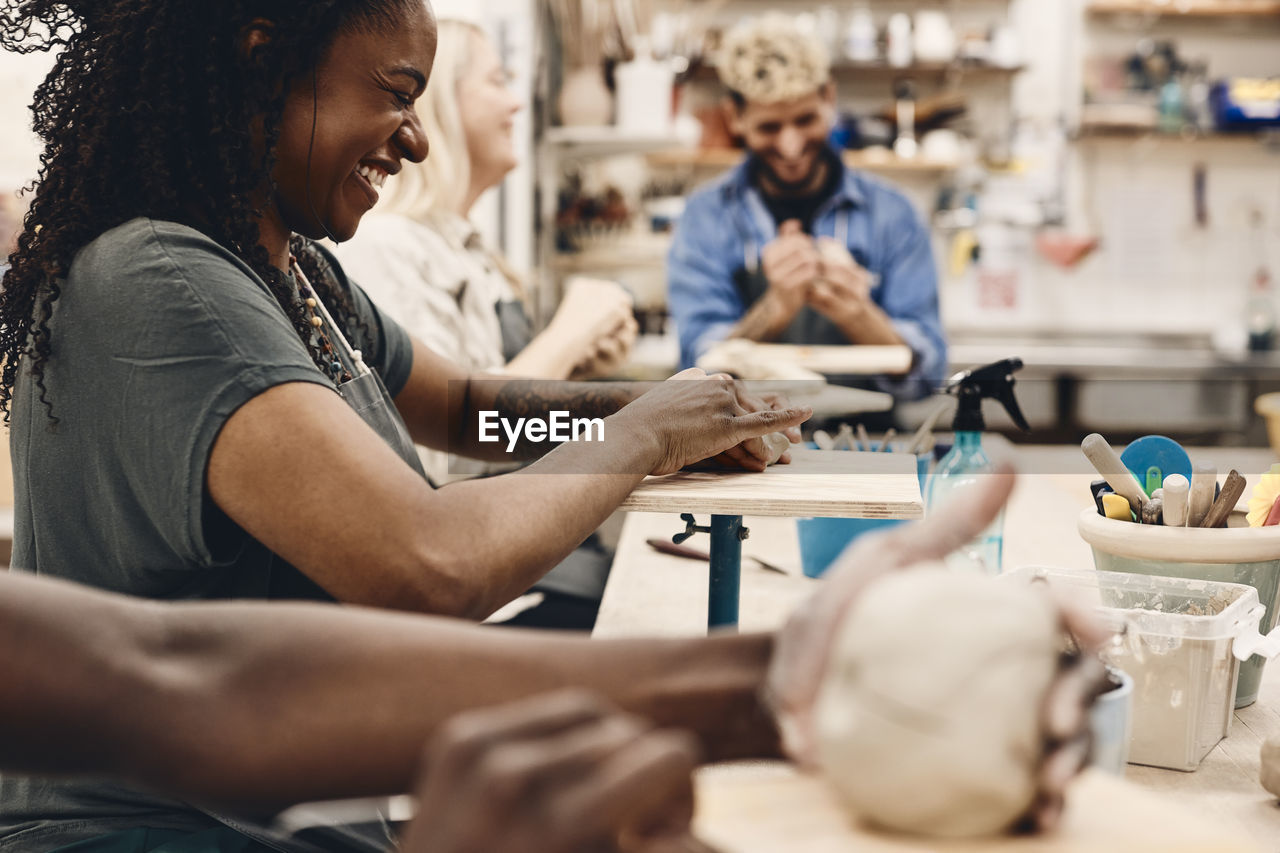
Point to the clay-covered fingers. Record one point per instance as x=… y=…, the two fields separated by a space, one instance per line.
x=798 y=266
x=766 y=450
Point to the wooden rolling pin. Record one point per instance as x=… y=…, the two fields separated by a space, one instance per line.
x=1118 y=477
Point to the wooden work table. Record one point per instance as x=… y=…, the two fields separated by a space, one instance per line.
x=652 y=594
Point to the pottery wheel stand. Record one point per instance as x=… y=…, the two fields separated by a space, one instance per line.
x=834 y=484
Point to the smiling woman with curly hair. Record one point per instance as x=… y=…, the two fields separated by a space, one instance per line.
x=203 y=406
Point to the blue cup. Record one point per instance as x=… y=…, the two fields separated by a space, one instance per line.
x=823 y=539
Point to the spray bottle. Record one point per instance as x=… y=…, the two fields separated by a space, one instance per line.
x=959 y=469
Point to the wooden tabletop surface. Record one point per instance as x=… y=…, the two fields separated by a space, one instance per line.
x=651 y=594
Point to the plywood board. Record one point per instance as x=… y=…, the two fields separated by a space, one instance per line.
x=829 y=483
x=770 y=807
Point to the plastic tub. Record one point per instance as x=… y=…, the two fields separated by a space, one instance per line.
x=1181 y=641
x=1236 y=555
x=823 y=539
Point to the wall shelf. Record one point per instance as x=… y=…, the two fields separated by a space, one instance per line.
x=725 y=158
x=608 y=141
x=1122 y=132
x=844 y=68
x=1188 y=8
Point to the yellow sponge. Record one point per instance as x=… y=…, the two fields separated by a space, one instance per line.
x=1117 y=507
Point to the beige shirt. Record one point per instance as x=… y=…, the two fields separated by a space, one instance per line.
x=442 y=285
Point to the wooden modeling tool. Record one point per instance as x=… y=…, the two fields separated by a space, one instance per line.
x=1176 y=489
x=1232 y=489
x=1117 y=507
x=864 y=440
x=1153 y=511
x=1119 y=477
x=885 y=443
x=1204 y=480
x=823 y=439
x=844 y=438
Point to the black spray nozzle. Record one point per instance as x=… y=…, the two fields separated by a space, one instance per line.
x=992 y=380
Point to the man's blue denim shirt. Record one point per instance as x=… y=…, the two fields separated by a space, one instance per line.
x=726 y=225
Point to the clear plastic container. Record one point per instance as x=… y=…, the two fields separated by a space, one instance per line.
x=1249 y=555
x=1181 y=641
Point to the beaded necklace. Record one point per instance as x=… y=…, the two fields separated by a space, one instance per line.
x=311 y=301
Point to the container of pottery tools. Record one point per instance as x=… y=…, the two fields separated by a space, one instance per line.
x=1181 y=641
x=1243 y=555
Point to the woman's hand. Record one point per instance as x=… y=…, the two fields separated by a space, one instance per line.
x=591 y=309
x=713 y=418
x=804 y=644
x=557 y=773
x=609 y=352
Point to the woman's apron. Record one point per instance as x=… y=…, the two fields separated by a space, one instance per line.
x=368 y=397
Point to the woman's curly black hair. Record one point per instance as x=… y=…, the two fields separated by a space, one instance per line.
x=150 y=110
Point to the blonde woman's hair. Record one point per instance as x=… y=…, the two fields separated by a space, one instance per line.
x=438 y=185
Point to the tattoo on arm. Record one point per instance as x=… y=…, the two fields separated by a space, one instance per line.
x=535 y=398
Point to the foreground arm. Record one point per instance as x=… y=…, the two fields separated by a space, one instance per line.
x=175 y=697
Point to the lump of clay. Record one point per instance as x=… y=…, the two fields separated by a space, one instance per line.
x=928 y=718
x=776 y=444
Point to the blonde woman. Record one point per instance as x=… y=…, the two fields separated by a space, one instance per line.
x=423 y=262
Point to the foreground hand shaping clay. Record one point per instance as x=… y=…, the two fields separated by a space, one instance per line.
x=797 y=674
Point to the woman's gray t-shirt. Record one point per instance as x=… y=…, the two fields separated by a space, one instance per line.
x=159 y=336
